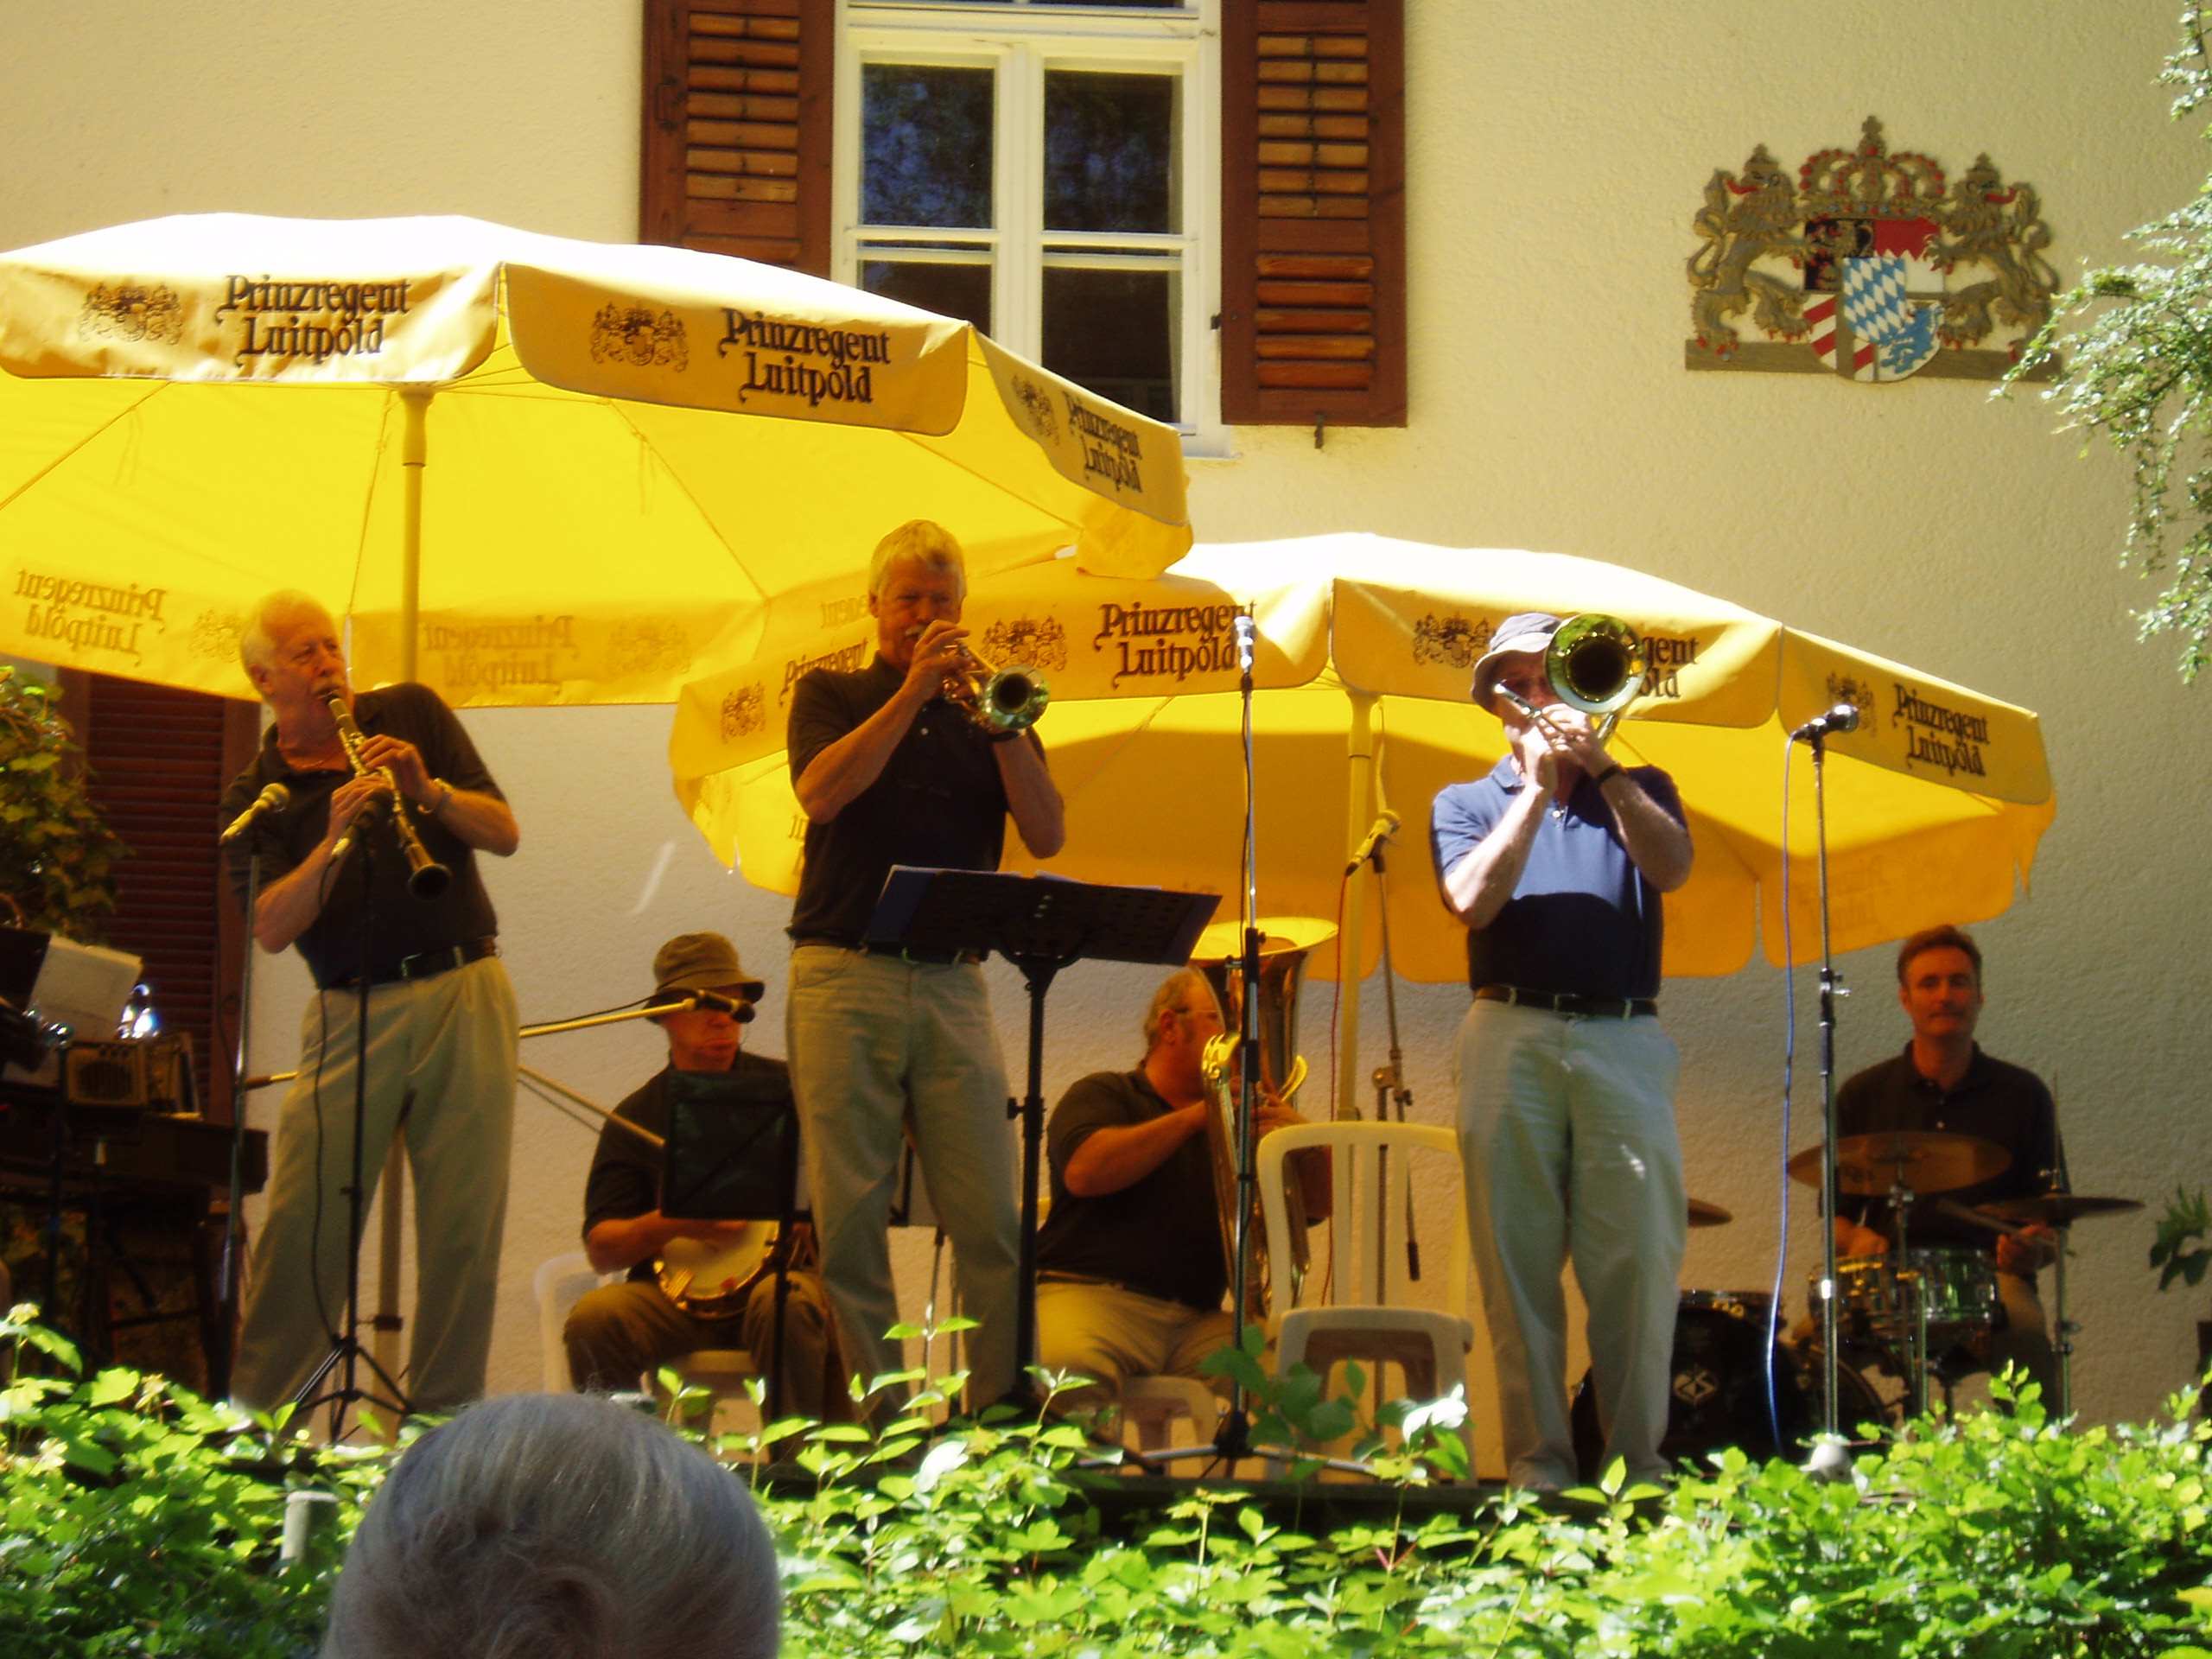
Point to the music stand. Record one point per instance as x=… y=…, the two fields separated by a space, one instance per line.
x=1040 y=924
x=732 y=1154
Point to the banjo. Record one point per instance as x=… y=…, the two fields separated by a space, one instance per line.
x=711 y=1279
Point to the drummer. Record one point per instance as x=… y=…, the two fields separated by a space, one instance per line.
x=1943 y=1082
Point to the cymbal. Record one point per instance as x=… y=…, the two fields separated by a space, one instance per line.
x=2059 y=1209
x=1866 y=1166
x=1708 y=1215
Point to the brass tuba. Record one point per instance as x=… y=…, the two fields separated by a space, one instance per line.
x=1285 y=943
x=1596 y=663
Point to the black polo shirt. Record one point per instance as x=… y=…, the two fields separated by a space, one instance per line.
x=1582 y=919
x=1161 y=1235
x=1994 y=1101
x=939 y=803
x=399 y=924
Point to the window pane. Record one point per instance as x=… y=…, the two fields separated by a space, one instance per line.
x=1113 y=331
x=962 y=291
x=1109 y=152
x=926 y=145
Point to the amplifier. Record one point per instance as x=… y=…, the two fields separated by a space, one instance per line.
x=152 y=1072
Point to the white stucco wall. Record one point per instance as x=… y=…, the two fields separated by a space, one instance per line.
x=1556 y=155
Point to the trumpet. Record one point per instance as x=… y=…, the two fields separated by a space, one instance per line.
x=426 y=877
x=997 y=699
x=1596 y=664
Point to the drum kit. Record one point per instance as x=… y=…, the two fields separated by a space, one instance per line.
x=1901 y=1312
x=1911 y=1308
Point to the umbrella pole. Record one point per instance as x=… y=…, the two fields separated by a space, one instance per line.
x=1359 y=809
x=414 y=457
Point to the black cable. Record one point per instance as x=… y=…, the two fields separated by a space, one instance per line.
x=315 y=1095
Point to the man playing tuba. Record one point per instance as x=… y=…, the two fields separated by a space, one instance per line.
x=1131 y=1271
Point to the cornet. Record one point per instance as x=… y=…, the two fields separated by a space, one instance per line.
x=1595 y=663
x=997 y=699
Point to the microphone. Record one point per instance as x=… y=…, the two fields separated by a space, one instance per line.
x=736 y=1006
x=1844 y=717
x=1386 y=826
x=1245 y=634
x=274 y=798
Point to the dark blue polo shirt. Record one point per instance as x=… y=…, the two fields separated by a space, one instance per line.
x=1582 y=921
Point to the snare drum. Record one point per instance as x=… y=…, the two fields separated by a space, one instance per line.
x=1959 y=1286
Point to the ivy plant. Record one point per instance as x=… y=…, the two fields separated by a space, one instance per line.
x=136 y=1519
x=2134 y=348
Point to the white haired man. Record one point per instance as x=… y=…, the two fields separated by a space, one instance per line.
x=888 y=771
x=441 y=1040
x=562 y=1526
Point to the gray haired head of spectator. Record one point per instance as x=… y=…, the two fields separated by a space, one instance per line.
x=551 y=1526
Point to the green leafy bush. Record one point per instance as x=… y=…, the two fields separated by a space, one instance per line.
x=135 y=1519
x=2135 y=347
x=56 y=851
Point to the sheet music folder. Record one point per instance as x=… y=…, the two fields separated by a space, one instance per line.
x=1037 y=916
x=733 y=1148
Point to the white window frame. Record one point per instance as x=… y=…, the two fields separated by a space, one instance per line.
x=1022 y=42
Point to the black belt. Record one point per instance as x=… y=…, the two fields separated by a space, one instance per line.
x=1610 y=1007
x=904 y=953
x=423 y=964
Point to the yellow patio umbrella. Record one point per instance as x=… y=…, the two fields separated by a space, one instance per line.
x=529 y=470
x=526 y=469
x=1935 y=802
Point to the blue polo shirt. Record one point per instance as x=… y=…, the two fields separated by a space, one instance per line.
x=1582 y=919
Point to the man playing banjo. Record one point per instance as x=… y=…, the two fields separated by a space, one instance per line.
x=618 y=1331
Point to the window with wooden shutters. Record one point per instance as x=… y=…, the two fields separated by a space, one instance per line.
x=1314 y=213
x=1274 y=130
x=1046 y=171
x=736 y=152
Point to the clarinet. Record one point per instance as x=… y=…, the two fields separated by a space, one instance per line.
x=426 y=877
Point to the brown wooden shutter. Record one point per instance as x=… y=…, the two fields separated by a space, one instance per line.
x=737 y=135
x=1313 y=228
x=160 y=760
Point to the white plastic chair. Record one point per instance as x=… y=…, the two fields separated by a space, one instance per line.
x=1152 y=1405
x=562 y=1281
x=1370 y=1315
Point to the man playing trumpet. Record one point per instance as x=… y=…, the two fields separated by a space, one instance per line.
x=441 y=1044
x=1556 y=862
x=1131 y=1271
x=889 y=771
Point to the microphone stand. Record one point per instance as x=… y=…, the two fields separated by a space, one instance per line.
x=1827 y=1460
x=226 y=1292
x=346 y=1349
x=1232 y=1441
x=1389 y=1079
